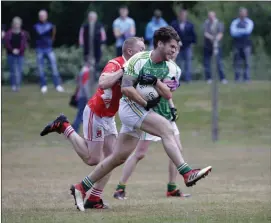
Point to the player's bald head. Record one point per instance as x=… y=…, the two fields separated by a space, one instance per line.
x=130 y=42
x=132 y=46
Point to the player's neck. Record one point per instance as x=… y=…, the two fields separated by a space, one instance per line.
x=156 y=57
x=125 y=57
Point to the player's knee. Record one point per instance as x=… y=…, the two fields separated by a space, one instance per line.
x=93 y=161
x=167 y=131
x=139 y=155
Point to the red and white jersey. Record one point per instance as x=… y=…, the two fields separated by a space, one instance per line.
x=105 y=102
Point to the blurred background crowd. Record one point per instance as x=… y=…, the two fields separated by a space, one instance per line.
x=52 y=41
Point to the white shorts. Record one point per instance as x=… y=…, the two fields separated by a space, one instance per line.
x=149 y=137
x=96 y=128
x=131 y=116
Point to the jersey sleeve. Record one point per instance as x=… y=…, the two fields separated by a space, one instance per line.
x=133 y=66
x=173 y=70
x=179 y=73
x=110 y=68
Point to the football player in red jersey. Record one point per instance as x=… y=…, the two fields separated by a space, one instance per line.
x=99 y=127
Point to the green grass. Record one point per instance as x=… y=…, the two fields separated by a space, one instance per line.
x=37 y=171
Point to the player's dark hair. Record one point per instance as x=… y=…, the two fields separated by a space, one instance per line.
x=165 y=34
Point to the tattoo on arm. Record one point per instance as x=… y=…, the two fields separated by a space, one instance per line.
x=128 y=81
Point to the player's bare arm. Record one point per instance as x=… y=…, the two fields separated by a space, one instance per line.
x=163 y=90
x=127 y=88
x=107 y=80
x=148 y=79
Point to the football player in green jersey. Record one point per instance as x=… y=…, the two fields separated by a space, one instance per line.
x=167 y=110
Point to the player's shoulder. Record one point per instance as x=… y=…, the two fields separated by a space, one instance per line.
x=173 y=68
x=113 y=65
x=141 y=56
x=137 y=62
x=172 y=65
x=117 y=60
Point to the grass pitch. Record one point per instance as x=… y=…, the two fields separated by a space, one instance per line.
x=37 y=171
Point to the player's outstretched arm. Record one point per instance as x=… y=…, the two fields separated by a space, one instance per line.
x=107 y=79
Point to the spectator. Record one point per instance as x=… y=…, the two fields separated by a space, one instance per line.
x=213 y=33
x=15 y=42
x=92 y=35
x=123 y=28
x=156 y=22
x=82 y=96
x=241 y=29
x=185 y=29
x=45 y=35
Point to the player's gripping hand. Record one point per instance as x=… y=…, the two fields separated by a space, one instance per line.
x=174 y=114
x=152 y=103
x=123 y=69
x=147 y=79
x=173 y=84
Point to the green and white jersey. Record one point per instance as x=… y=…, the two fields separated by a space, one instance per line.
x=141 y=63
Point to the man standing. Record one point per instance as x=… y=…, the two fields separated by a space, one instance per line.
x=213 y=33
x=123 y=27
x=15 y=43
x=241 y=29
x=185 y=30
x=92 y=36
x=45 y=35
x=156 y=23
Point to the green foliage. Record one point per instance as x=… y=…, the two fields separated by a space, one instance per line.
x=70 y=60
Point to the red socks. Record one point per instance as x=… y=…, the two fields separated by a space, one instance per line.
x=95 y=194
x=67 y=129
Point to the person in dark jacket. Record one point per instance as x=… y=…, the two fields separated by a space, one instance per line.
x=15 y=43
x=91 y=37
x=187 y=34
